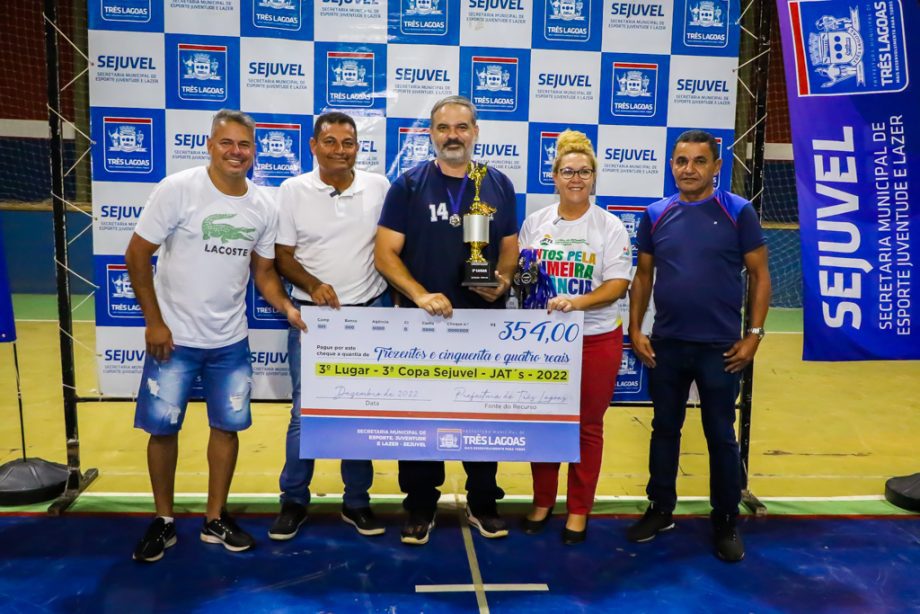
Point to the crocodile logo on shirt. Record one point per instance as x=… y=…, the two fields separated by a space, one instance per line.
x=211 y=228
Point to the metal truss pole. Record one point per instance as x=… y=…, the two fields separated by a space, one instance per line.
x=77 y=481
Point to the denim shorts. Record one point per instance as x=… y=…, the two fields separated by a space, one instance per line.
x=226 y=375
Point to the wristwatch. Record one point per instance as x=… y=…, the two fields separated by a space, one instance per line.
x=757 y=330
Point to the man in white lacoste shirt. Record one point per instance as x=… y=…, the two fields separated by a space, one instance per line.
x=212 y=227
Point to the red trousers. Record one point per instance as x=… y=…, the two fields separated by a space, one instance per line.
x=599 y=366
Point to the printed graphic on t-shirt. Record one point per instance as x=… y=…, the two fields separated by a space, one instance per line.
x=570 y=264
x=217 y=227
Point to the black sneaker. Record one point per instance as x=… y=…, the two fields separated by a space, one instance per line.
x=160 y=535
x=288 y=521
x=224 y=530
x=651 y=524
x=726 y=539
x=489 y=523
x=363 y=520
x=417 y=528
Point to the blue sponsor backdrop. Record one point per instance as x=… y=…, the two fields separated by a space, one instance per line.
x=568 y=24
x=128 y=144
x=631 y=74
x=282 y=147
x=424 y=22
x=126 y=15
x=288 y=19
x=116 y=304
x=497 y=81
x=634 y=89
x=856 y=123
x=202 y=72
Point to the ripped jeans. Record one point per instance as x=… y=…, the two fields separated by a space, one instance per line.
x=226 y=375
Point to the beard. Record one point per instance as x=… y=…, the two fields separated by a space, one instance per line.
x=453 y=155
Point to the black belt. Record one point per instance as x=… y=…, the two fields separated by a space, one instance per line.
x=303 y=303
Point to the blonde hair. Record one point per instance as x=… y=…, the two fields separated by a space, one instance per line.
x=573 y=141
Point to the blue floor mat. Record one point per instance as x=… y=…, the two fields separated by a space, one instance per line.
x=81 y=563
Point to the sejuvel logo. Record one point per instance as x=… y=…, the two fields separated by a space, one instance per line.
x=350 y=79
x=706 y=23
x=277 y=14
x=133 y=11
x=267 y=359
x=857 y=50
x=414 y=147
x=635 y=89
x=121 y=300
x=422 y=17
x=117 y=213
x=277 y=153
x=567 y=20
x=547 y=156
x=495 y=82
x=128 y=144
x=202 y=72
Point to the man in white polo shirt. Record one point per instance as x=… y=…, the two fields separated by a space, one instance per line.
x=212 y=228
x=325 y=248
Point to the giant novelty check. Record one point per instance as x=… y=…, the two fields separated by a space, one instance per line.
x=486 y=384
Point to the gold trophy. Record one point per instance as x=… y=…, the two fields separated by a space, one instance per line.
x=478 y=271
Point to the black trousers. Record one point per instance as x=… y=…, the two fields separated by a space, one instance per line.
x=678 y=364
x=420 y=481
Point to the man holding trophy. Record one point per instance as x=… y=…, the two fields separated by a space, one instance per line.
x=448 y=238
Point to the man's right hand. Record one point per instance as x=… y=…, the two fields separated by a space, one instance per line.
x=435 y=304
x=324 y=294
x=642 y=346
x=159 y=341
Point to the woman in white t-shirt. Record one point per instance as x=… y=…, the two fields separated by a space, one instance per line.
x=587 y=255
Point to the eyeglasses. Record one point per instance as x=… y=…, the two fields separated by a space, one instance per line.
x=583 y=173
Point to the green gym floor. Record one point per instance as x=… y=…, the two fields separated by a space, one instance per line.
x=825 y=436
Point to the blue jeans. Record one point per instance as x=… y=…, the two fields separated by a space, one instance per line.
x=357 y=475
x=166 y=386
x=678 y=364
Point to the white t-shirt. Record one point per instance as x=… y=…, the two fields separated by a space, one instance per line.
x=580 y=255
x=333 y=234
x=206 y=241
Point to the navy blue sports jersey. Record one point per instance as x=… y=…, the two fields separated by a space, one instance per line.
x=418 y=205
x=699 y=250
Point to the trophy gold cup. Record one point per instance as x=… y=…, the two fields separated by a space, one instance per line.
x=478 y=271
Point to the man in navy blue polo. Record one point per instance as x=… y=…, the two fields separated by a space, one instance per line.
x=420 y=250
x=693 y=247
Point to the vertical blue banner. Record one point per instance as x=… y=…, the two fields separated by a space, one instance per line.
x=7 y=323
x=855 y=118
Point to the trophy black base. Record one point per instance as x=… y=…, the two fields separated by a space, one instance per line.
x=480 y=274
